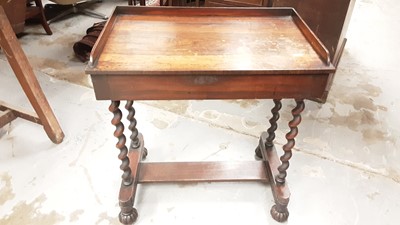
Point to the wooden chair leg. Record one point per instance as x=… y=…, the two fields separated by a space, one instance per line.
x=27 y=79
x=37 y=11
x=43 y=17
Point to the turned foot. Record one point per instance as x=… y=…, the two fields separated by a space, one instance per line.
x=128 y=218
x=279 y=213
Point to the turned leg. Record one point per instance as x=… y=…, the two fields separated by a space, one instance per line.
x=128 y=214
x=287 y=148
x=135 y=143
x=43 y=20
x=279 y=211
x=271 y=130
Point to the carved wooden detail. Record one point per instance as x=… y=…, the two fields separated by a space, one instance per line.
x=280 y=212
x=271 y=130
x=132 y=126
x=128 y=214
x=275 y=117
x=135 y=143
x=119 y=133
x=287 y=148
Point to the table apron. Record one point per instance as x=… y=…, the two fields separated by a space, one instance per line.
x=183 y=87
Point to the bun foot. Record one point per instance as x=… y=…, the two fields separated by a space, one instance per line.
x=128 y=218
x=279 y=214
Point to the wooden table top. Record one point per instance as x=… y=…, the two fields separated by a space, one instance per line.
x=213 y=41
x=164 y=53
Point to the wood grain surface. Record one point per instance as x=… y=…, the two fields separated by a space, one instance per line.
x=152 y=53
x=188 y=42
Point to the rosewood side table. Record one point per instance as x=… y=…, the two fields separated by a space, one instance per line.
x=207 y=53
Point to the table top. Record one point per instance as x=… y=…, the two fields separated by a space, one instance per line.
x=207 y=41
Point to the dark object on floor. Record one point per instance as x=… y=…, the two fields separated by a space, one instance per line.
x=83 y=47
x=68 y=7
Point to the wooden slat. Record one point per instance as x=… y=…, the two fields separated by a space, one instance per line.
x=21 y=112
x=312 y=38
x=6 y=117
x=102 y=39
x=202 y=11
x=202 y=172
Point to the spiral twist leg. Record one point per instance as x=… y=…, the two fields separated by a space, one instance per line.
x=287 y=148
x=119 y=133
x=132 y=126
x=128 y=214
x=135 y=143
x=271 y=130
x=275 y=117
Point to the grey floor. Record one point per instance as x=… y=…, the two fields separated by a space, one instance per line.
x=345 y=168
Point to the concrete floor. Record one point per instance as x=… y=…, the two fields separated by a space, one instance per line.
x=344 y=169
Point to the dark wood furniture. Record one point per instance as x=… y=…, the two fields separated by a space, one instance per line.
x=327 y=19
x=37 y=11
x=23 y=71
x=165 y=53
x=15 y=11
